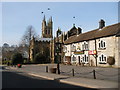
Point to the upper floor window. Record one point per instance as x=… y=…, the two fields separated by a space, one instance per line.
x=102 y=44
x=78 y=48
x=102 y=59
x=85 y=46
x=64 y=49
x=73 y=48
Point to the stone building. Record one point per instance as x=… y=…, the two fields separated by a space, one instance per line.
x=99 y=47
x=57 y=54
x=42 y=45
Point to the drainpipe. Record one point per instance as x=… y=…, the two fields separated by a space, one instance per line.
x=96 y=52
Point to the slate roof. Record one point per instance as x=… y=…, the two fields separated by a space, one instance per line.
x=97 y=33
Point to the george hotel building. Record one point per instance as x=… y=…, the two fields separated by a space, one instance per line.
x=99 y=47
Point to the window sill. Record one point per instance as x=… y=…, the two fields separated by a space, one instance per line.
x=84 y=62
x=102 y=63
x=101 y=48
x=85 y=49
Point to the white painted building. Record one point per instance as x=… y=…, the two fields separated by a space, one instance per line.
x=99 y=47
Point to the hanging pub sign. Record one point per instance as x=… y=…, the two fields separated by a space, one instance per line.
x=79 y=52
x=92 y=52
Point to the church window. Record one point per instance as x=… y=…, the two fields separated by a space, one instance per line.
x=46 y=31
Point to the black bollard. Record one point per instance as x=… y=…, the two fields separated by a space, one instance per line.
x=47 y=69
x=73 y=74
x=94 y=74
x=58 y=68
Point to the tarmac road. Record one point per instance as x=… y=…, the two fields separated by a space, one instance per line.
x=14 y=80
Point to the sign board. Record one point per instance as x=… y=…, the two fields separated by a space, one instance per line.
x=93 y=52
x=80 y=52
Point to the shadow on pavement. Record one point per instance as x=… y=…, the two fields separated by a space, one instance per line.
x=14 y=80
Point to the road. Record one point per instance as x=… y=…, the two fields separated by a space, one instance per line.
x=85 y=72
x=13 y=79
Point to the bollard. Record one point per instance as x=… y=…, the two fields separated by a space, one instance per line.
x=47 y=69
x=73 y=73
x=94 y=74
x=58 y=68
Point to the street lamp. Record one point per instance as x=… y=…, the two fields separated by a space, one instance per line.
x=58 y=51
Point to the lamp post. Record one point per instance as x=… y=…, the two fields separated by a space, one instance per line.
x=58 y=50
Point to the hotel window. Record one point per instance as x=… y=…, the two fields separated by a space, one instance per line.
x=102 y=44
x=64 y=49
x=78 y=48
x=73 y=58
x=102 y=59
x=73 y=48
x=85 y=46
x=85 y=59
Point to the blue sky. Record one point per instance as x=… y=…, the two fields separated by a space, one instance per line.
x=17 y=16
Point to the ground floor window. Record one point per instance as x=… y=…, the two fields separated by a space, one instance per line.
x=73 y=58
x=85 y=59
x=102 y=59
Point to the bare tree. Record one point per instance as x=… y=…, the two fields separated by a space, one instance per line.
x=30 y=32
x=27 y=37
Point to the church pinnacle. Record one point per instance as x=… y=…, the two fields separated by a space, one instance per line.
x=47 y=28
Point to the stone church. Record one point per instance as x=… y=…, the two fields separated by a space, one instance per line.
x=51 y=48
x=42 y=45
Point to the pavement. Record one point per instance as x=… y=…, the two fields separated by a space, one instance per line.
x=78 y=81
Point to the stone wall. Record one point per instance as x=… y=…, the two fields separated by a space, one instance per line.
x=112 y=48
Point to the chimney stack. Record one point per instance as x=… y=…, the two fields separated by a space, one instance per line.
x=101 y=24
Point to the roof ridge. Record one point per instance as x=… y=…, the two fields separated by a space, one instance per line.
x=96 y=33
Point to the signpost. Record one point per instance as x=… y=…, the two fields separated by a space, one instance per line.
x=92 y=52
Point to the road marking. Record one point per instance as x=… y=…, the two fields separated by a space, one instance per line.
x=41 y=76
x=78 y=84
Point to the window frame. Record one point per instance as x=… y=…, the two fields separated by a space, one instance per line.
x=102 y=44
x=73 y=48
x=74 y=58
x=102 y=58
x=85 y=59
x=65 y=49
x=85 y=46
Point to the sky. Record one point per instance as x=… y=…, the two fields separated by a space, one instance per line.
x=17 y=16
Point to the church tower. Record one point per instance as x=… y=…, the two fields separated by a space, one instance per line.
x=43 y=27
x=47 y=28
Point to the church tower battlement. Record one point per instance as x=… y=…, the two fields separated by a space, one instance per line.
x=47 y=28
